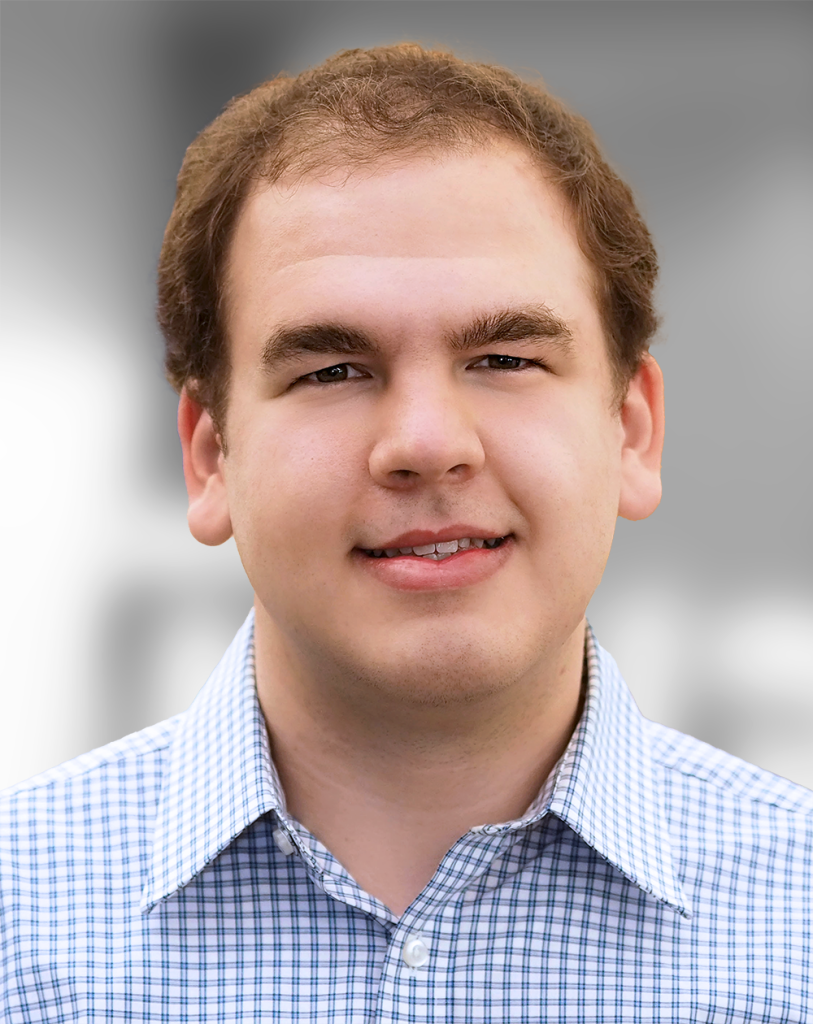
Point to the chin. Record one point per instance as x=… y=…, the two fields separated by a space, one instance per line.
x=456 y=674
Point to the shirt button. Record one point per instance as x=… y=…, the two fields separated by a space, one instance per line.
x=415 y=951
x=284 y=844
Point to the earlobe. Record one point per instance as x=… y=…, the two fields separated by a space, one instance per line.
x=642 y=418
x=208 y=513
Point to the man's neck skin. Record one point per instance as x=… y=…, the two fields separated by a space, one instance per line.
x=388 y=788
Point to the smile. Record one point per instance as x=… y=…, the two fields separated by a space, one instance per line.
x=438 y=551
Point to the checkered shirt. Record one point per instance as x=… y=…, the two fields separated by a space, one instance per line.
x=159 y=878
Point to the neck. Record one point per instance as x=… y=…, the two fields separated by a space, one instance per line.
x=388 y=786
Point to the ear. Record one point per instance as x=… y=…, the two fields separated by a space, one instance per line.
x=208 y=513
x=642 y=422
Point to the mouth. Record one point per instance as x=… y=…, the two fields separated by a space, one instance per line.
x=453 y=559
x=439 y=550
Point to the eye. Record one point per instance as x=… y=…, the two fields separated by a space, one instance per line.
x=494 y=361
x=332 y=374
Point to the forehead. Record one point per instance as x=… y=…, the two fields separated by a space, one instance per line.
x=416 y=242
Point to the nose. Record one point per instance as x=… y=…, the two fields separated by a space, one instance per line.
x=426 y=433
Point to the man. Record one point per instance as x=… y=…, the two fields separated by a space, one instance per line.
x=407 y=308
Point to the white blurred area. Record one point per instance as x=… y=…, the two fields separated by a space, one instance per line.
x=735 y=670
x=112 y=616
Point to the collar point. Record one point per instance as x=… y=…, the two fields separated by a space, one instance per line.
x=151 y=897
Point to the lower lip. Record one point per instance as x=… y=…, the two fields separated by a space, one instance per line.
x=463 y=569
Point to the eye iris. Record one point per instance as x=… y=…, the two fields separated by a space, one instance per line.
x=504 y=362
x=330 y=373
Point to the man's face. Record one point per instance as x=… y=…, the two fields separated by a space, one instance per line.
x=418 y=357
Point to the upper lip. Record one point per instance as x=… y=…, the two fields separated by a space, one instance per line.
x=413 y=538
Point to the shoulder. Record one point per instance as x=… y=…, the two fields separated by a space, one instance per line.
x=741 y=840
x=689 y=762
x=119 y=780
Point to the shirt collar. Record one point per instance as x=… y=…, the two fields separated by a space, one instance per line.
x=608 y=788
x=220 y=778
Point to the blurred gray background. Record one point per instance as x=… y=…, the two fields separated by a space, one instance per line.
x=112 y=616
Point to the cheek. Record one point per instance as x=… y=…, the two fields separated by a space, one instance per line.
x=564 y=464
x=287 y=480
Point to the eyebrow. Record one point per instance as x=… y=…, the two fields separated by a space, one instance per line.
x=527 y=323
x=288 y=343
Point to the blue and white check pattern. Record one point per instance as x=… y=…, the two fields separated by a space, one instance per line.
x=159 y=878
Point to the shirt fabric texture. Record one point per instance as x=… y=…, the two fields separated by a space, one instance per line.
x=159 y=878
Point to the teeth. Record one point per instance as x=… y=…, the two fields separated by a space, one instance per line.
x=437 y=552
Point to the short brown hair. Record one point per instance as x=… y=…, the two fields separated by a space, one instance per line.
x=355 y=107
